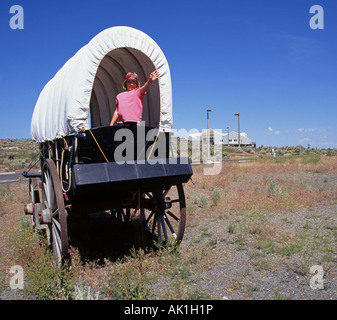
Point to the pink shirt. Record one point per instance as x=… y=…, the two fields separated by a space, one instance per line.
x=130 y=106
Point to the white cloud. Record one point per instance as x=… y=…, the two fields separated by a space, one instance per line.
x=306 y=130
x=277 y=132
x=305 y=140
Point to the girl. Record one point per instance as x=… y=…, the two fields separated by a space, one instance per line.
x=130 y=103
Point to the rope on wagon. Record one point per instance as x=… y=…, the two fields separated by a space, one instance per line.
x=155 y=140
x=68 y=172
x=106 y=159
x=68 y=167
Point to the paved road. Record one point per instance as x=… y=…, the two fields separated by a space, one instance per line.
x=10 y=177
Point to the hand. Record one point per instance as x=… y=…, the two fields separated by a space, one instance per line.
x=154 y=75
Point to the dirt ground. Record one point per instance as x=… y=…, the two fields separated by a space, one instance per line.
x=256 y=231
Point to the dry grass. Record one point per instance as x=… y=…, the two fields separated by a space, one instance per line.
x=254 y=208
x=263 y=186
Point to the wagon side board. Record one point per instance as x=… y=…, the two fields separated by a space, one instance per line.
x=133 y=175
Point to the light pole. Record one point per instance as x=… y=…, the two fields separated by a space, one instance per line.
x=208 y=111
x=208 y=136
x=228 y=135
x=238 y=115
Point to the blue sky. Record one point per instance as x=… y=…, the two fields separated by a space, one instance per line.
x=259 y=58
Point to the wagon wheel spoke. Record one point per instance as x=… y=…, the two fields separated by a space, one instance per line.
x=165 y=192
x=120 y=216
x=154 y=222
x=172 y=215
x=52 y=199
x=56 y=231
x=166 y=222
x=149 y=217
x=149 y=195
x=162 y=223
x=176 y=200
x=170 y=227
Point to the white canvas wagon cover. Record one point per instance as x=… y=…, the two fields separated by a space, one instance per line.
x=85 y=88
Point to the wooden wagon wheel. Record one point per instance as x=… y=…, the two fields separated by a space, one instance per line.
x=52 y=199
x=166 y=220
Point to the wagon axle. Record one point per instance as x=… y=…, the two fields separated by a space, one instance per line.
x=154 y=203
x=130 y=201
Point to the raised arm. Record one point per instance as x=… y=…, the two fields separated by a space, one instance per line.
x=153 y=76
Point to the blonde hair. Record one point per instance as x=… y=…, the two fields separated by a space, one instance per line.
x=133 y=76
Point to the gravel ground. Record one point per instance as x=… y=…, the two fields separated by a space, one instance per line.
x=242 y=271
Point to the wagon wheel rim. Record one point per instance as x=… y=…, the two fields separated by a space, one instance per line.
x=52 y=199
x=166 y=221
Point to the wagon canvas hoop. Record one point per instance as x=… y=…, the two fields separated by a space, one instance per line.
x=82 y=93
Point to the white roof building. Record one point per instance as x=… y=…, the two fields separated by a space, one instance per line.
x=230 y=139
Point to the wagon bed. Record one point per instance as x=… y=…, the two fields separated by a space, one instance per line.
x=143 y=170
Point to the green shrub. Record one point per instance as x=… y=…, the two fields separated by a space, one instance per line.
x=275 y=189
x=129 y=278
x=216 y=197
x=44 y=280
x=311 y=158
x=203 y=201
x=331 y=152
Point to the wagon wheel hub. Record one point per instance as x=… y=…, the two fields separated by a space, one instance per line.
x=168 y=203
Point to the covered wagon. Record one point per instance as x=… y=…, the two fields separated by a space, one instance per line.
x=88 y=165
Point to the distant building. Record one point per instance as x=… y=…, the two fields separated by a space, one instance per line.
x=230 y=139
